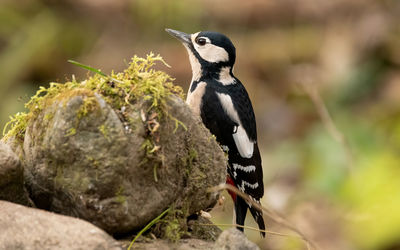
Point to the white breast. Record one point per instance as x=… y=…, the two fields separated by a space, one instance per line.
x=194 y=98
x=194 y=63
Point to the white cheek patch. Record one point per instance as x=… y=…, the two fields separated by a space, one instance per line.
x=194 y=98
x=225 y=77
x=210 y=52
x=242 y=141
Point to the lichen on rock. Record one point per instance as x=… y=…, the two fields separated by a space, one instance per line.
x=116 y=150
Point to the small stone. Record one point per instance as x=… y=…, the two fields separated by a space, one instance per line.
x=35 y=229
x=184 y=244
x=233 y=239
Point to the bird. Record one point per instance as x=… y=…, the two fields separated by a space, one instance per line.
x=224 y=106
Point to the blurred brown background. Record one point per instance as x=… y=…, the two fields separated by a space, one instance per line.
x=348 y=51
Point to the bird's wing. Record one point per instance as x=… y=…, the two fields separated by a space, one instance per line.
x=243 y=143
x=247 y=173
x=245 y=166
x=242 y=104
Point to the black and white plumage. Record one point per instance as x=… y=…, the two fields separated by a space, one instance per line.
x=224 y=106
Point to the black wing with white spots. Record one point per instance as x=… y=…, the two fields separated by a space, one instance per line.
x=246 y=172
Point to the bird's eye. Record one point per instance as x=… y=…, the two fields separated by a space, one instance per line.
x=201 y=41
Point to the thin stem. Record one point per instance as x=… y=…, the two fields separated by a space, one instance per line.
x=327 y=121
x=151 y=223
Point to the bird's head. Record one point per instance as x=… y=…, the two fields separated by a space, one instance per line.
x=208 y=50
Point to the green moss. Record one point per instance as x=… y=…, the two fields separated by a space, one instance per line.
x=48 y=116
x=199 y=175
x=138 y=82
x=174 y=225
x=148 y=146
x=70 y=132
x=104 y=130
x=148 y=226
x=89 y=104
x=173 y=230
x=95 y=163
x=59 y=180
x=119 y=197
x=17 y=126
x=192 y=156
x=177 y=124
x=189 y=159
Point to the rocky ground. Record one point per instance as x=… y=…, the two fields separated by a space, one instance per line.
x=31 y=228
x=113 y=162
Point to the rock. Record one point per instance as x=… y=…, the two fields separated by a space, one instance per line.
x=82 y=160
x=185 y=244
x=11 y=177
x=230 y=239
x=31 y=228
x=233 y=239
x=203 y=228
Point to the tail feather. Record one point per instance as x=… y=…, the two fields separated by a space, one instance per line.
x=240 y=212
x=257 y=215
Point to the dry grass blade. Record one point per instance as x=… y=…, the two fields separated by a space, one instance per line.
x=252 y=228
x=307 y=76
x=270 y=213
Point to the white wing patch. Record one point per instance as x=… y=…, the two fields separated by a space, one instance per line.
x=245 y=183
x=227 y=104
x=253 y=186
x=246 y=169
x=242 y=141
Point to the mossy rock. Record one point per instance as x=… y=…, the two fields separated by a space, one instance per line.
x=11 y=177
x=117 y=150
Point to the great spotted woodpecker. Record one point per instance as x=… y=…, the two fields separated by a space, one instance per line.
x=224 y=106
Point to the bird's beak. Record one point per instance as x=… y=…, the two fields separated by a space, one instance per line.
x=181 y=36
